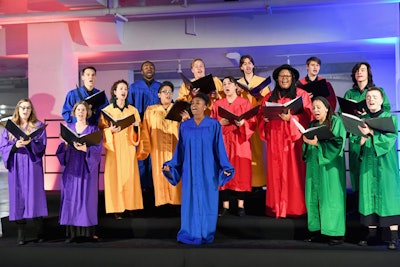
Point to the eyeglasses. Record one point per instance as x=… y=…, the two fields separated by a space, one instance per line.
x=23 y=108
x=167 y=92
x=285 y=76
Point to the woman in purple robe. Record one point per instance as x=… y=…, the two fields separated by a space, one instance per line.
x=79 y=188
x=23 y=160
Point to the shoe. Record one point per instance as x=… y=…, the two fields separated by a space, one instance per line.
x=363 y=243
x=371 y=241
x=335 y=241
x=223 y=212
x=21 y=242
x=392 y=245
x=118 y=216
x=317 y=238
x=241 y=212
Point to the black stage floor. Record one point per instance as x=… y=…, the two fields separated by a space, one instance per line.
x=148 y=238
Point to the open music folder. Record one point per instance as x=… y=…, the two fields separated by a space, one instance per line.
x=123 y=122
x=271 y=110
x=224 y=113
x=70 y=136
x=205 y=84
x=18 y=132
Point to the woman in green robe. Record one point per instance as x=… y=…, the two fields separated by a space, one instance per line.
x=379 y=174
x=325 y=176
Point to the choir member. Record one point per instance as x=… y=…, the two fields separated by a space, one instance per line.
x=200 y=160
x=79 y=183
x=285 y=168
x=23 y=160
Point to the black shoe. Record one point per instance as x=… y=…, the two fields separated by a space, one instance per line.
x=392 y=245
x=371 y=241
x=118 y=216
x=223 y=212
x=317 y=238
x=21 y=242
x=241 y=212
x=363 y=243
x=335 y=241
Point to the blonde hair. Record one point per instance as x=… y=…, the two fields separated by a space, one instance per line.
x=32 y=120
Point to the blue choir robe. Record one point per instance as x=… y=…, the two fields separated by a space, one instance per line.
x=27 y=197
x=79 y=184
x=140 y=95
x=200 y=159
x=72 y=97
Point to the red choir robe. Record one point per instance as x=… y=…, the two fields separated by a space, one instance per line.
x=237 y=143
x=285 y=167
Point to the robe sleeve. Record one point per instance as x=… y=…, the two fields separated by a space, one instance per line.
x=67 y=107
x=61 y=153
x=222 y=158
x=184 y=94
x=145 y=143
x=332 y=96
x=176 y=163
x=37 y=146
x=93 y=155
x=6 y=148
x=386 y=103
x=382 y=143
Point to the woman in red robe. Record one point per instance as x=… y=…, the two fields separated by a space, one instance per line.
x=285 y=168
x=236 y=135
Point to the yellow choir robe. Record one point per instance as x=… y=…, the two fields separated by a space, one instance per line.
x=259 y=177
x=184 y=94
x=159 y=138
x=122 y=189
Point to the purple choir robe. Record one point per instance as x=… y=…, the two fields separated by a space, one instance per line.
x=79 y=187
x=27 y=197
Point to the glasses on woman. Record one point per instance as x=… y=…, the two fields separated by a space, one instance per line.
x=285 y=76
x=167 y=92
x=25 y=108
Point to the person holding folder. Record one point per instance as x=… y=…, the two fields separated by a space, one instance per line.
x=186 y=93
x=379 y=174
x=201 y=162
x=313 y=65
x=24 y=161
x=81 y=93
x=285 y=167
x=79 y=183
x=258 y=165
x=159 y=137
x=236 y=135
x=122 y=188
x=361 y=75
x=326 y=176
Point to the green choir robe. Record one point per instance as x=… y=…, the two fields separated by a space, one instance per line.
x=354 y=146
x=325 y=190
x=379 y=174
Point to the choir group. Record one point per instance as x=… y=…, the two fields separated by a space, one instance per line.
x=213 y=152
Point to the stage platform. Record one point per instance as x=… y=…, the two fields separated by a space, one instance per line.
x=148 y=238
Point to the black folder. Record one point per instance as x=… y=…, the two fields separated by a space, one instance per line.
x=350 y=106
x=224 y=113
x=18 y=133
x=205 y=84
x=271 y=110
x=317 y=88
x=96 y=100
x=174 y=113
x=383 y=124
x=322 y=132
x=70 y=136
x=256 y=90
x=123 y=123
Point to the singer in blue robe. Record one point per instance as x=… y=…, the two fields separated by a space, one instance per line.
x=79 y=186
x=141 y=94
x=76 y=95
x=200 y=159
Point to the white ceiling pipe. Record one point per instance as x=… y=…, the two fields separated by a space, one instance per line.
x=136 y=12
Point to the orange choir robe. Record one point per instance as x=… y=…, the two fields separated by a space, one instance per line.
x=122 y=189
x=257 y=145
x=237 y=143
x=159 y=138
